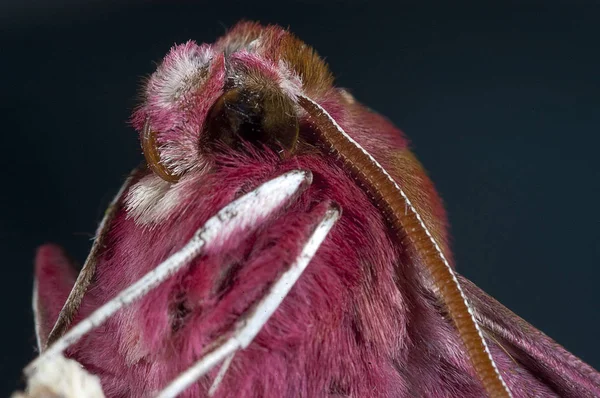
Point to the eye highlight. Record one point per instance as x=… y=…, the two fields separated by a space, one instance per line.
x=150 y=148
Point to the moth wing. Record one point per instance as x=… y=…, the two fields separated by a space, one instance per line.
x=54 y=278
x=79 y=287
x=543 y=357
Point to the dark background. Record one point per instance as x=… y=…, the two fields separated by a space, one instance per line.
x=501 y=103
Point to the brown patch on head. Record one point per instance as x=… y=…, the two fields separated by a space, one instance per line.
x=314 y=72
x=277 y=43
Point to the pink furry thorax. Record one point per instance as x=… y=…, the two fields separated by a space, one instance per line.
x=361 y=322
x=161 y=335
x=153 y=340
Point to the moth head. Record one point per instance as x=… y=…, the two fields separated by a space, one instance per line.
x=242 y=89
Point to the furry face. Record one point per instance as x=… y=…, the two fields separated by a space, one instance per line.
x=255 y=61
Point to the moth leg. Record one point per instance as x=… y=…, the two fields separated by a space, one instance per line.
x=248 y=326
x=72 y=303
x=245 y=213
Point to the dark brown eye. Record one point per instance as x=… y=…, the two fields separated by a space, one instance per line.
x=264 y=116
x=149 y=146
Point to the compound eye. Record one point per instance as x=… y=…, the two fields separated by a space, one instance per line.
x=152 y=155
x=259 y=117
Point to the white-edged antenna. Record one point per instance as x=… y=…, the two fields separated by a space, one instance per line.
x=346 y=148
x=248 y=327
x=243 y=214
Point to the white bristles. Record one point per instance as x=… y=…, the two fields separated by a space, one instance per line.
x=245 y=213
x=248 y=327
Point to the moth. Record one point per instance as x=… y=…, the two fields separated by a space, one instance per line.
x=280 y=240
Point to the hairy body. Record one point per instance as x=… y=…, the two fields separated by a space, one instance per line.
x=364 y=320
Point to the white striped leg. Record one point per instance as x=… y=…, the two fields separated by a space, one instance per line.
x=249 y=325
x=243 y=214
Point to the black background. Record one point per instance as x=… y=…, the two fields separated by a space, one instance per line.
x=501 y=104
